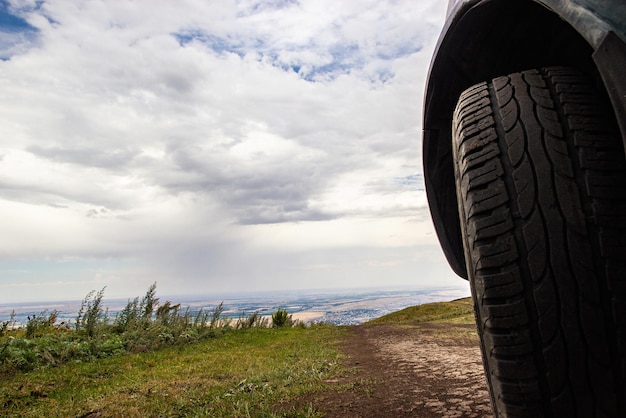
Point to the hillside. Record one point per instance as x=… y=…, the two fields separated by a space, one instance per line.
x=421 y=361
x=459 y=311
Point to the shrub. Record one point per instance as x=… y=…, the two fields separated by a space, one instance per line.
x=216 y=316
x=18 y=354
x=113 y=344
x=91 y=315
x=137 y=315
x=40 y=324
x=167 y=314
x=281 y=319
x=149 y=302
x=201 y=319
x=253 y=321
x=128 y=317
x=7 y=325
x=143 y=325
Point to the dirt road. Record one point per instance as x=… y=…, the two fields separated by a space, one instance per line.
x=428 y=370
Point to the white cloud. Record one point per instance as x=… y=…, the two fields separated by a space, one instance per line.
x=173 y=140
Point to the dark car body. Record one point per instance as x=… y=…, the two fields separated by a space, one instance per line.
x=483 y=39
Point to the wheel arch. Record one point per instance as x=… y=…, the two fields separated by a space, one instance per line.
x=486 y=39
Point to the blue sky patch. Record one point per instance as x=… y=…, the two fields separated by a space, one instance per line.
x=10 y=22
x=218 y=44
x=345 y=57
x=16 y=34
x=413 y=182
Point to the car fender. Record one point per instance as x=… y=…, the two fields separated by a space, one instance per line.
x=483 y=39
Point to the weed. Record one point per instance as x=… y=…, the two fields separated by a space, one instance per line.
x=7 y=325
x=149 y=302
x=40 y=324
x=143 y=325
x=281 y=319
x=128 y=317
x=91 y=314
x=216 y=316
x=252 y=321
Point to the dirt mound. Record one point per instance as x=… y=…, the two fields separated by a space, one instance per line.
x=426 y=370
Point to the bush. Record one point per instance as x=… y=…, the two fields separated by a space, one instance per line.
x=40 y=324
x=137 y=315
x=91 y=315
x=113 y=344
x=143 y=325
x=9 y=324
x=18 y=354
x=216 y=317
x=128 y=318
x=148 y=303
x=253 y=321
x=281 y=319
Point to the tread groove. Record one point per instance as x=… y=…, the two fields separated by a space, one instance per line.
x=540 y=174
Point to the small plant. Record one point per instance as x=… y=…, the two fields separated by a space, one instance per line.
x=7 y=325
x=168 y=314
x=91 y=314
x=201 y=319
x=253 y=321
x=216 y=316
x=281 y=319
x=128 y=318
x=143 y=325
x=40 y=324
x=149 y=302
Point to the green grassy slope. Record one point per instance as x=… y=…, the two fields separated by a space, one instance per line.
x=458 y=311
x=238 y=373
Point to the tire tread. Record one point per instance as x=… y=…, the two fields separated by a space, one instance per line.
x=540 y=184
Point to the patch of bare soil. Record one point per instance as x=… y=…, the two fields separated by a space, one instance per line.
x=427 y=370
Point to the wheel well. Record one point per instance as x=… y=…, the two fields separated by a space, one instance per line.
x=490 y=39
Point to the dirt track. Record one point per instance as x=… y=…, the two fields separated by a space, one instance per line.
x=429 y=370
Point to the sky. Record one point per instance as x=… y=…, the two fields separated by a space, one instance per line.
x=214 y=146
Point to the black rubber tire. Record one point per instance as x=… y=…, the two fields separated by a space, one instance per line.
x=541 y=184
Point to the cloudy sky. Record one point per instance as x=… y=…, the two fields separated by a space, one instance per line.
x=213 y=146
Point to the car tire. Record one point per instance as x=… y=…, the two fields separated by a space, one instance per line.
x=541 y=184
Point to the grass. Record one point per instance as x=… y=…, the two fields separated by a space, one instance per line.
x=459 y=311
x=239 y=374
x=179 y=364
x=140 y=327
